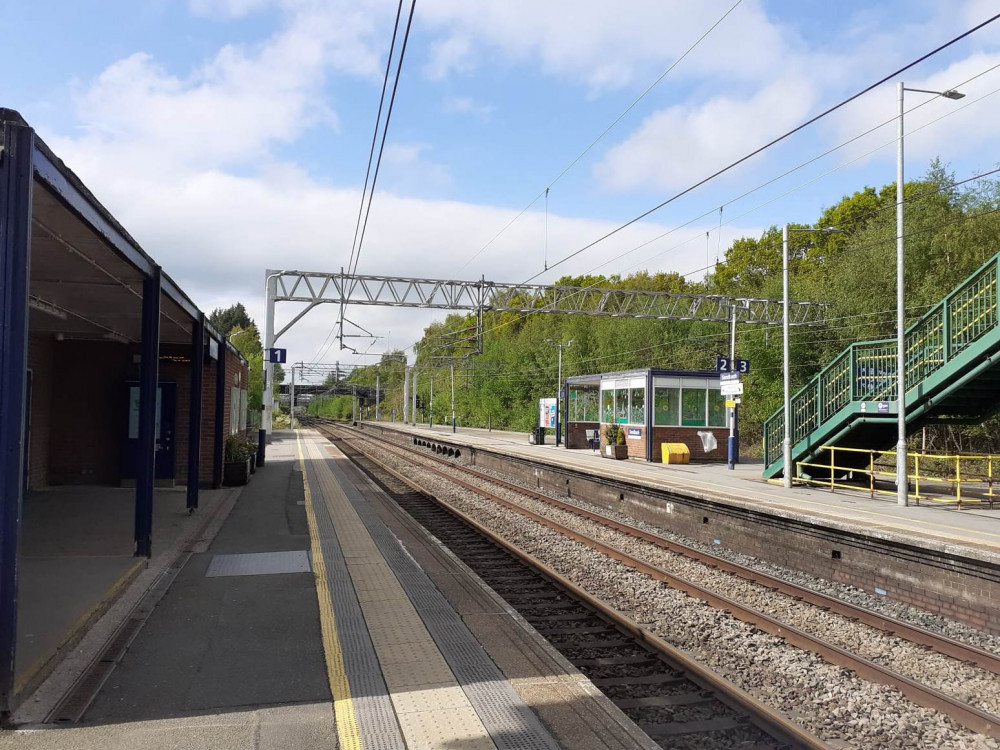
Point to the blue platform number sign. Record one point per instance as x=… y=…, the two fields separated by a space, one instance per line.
x=278 y=356
x=725 y=364
x=883 y=407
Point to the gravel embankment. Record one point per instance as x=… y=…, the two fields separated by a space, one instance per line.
x=827 y=700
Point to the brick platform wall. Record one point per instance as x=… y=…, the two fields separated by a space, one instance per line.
x=961 y=587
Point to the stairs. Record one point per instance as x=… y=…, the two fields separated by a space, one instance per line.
x=952 y=375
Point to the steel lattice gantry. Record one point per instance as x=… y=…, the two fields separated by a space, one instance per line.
x=317 y=288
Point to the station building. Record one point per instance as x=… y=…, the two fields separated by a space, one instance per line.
x=652 y=407
x=115 y=392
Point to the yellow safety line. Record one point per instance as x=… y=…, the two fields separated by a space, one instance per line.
x=343 y=705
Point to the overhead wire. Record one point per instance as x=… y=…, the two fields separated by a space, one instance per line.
x=769 y=144
x=604 y=132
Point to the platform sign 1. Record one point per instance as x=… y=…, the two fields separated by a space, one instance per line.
x=277 y=356
x=725 y=364
x=547 y=412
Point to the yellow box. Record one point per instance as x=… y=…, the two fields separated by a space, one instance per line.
x=675 y=453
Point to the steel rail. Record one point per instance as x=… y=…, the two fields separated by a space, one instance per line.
x=890 y=625
x=967 y=715
x=775 y=724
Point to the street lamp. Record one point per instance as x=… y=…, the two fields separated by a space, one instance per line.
x=567 y=345
x=787 y=442
x=902 y=480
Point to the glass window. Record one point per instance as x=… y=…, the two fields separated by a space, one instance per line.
x=693 y=407
x=666 y=407
x=637 y=411
x=589 y=408
x=621 y=405
x=607 y=406
x=716 y=408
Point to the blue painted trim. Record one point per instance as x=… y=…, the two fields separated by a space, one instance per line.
x=149 y=367
x=15 y=261
x=194 y=421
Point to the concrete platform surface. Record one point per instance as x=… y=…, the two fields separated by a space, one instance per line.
x=76 y=558
x=977 y=530
x=383 y=640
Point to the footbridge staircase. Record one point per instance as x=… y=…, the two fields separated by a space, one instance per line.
x=952 y=376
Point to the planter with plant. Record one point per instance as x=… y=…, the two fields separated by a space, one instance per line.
x=236 y=466
x=615 y=447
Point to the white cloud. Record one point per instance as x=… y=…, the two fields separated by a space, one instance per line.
x=467 y=105
x=605 y=45
x=681 y=144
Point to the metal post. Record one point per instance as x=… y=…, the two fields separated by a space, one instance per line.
x=354 y=402
x=270 y=292
x=377 y=391
x=194 y=413
x=901 y=483
x=430 y=421
x=406 y=394
x=220 y=415
x=453 y=397
x=148 y=385
x=16 y=171
x=559 y=395
x=787 y=445
x=732 y=412
x=291 y=401
x=414 y=396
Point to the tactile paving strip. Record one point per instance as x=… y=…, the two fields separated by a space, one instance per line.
x=510 y=722
x=373 y=708
x=259 y=564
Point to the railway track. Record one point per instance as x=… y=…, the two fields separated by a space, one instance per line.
x=968 y=715
x=676 y=701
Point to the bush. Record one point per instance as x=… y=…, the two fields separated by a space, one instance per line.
x=614 y=435
x=239 y=448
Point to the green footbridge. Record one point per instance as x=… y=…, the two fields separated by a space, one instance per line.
x=952 y=376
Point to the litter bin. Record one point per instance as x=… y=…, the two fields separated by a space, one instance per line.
x=537 y=436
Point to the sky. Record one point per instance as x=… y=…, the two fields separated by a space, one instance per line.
x=232 y=136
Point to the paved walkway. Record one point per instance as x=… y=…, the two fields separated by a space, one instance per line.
x=977 y=529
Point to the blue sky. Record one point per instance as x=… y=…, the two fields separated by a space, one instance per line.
x=232 y=135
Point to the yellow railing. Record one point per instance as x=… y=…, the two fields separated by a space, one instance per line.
x=939 y=478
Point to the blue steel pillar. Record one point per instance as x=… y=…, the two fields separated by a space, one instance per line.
x=194 y=426
x=149 y=369
x=220 y=411
x=15 y=260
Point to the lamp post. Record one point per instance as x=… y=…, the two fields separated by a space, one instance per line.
x=787 y=442
x=567 y=345
x=902 y=480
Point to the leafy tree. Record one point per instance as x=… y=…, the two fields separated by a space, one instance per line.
x=226 y=319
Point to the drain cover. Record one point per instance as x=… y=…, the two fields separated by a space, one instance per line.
x=259 y=564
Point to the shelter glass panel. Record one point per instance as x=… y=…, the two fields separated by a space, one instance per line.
x=637 y=409
x=716 y=408
x=583 y=405
x=666 y=407
x=607 y=406
x=621 y=405
x=693 y=407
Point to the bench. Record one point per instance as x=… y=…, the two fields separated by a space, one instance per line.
x=593 y=439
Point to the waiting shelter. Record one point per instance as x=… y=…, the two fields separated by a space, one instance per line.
x=652 y=407
x=115 y=392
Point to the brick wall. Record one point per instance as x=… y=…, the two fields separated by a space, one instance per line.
x=576 y=435
x=689 y=436
x=636 y=446
x=89 y=410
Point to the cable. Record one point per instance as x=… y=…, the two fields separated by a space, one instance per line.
x=603 y=133
x=770 y=143
x=385 y=131
x=378 y=120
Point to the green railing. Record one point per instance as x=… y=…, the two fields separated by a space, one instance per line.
x=866 y=371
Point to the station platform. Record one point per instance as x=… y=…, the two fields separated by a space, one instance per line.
x=975 y=530
x=321 y=615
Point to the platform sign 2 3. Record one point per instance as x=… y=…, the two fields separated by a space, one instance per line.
x=725 y=364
